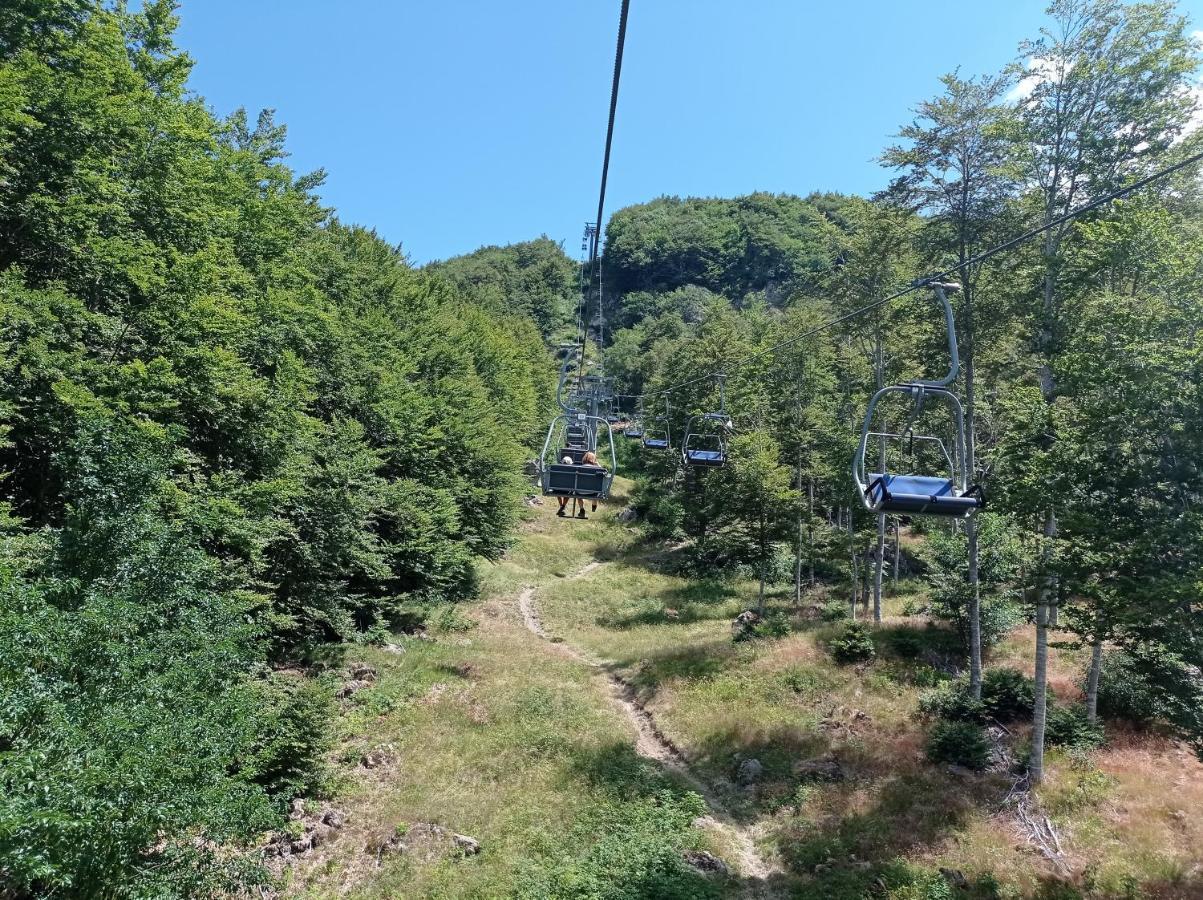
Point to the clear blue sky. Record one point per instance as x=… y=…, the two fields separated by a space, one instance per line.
x=449 y=124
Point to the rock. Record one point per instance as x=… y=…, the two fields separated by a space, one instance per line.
x=350 y=688
x=956 y=878
x=704 y=861
x=296 y=809
x=672 y=614
x=628 y=515
x=425 y=842
x=361 y=671
x=744 y=622
x=334 y=818
x=826 y=769
x=749 y=771
x=320 y=835
x=467 y=845
x=821 y=868
x=375 y=759
x=395 y=649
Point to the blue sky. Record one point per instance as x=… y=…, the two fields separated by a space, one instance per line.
x=449 y=124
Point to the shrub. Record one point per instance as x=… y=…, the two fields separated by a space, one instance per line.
x=774 y=625
x=834 y=611
x=961 y=743
x=1007 y=694
x=1152 y=683
x=952 y=702
x=906 y=644
x=853 y=644
x=1067 y=727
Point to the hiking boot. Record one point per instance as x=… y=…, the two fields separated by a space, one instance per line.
x=581 y=514
x=560 y=512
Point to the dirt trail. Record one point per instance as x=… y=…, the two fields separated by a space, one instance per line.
x=652 y=743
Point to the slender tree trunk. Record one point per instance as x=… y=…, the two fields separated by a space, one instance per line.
x=855 y=569
x=879 y=565
x=1092 y=680
x=897 y=553
x=879 y=551
x=970 y=463
x=810 y=528
x=763 y=563
x=1045 y=598
x=975 y=612
x=798 y=544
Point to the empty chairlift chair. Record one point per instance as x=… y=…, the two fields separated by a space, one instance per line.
x=657 y=433
x=939 y=487
x=705 y=442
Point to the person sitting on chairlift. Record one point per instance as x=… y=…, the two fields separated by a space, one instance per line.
x=589 y=459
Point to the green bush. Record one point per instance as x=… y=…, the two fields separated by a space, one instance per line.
x=1067 y=726
x=835 y=611
x=952 y=702
x=960 y=743
x=906 y=644
x=854 y=643
x=1007 y=694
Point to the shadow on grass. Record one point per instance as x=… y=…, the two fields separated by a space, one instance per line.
x=852 y=850
x=646 y=674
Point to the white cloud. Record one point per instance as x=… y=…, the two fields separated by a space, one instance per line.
x=1039 y=69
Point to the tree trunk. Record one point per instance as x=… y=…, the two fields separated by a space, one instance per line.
x=763 y=563
x=879 y=565
x=975 y=612
x=1092 y=680
x=879 y=551
x=897 y=553
x=1045 y=597
x=855 y=571
x=810 y=528
x=970 y=463
x=798 y=545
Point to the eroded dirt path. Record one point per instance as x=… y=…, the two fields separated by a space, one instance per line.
x=652 y=743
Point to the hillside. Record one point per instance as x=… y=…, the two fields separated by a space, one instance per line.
x=591 y=723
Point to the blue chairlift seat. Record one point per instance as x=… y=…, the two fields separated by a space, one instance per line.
x=920 y=494
x=655 y=443
x=704 y=457
x=634 y=432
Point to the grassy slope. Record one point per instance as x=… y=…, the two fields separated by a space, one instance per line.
x=522 y=748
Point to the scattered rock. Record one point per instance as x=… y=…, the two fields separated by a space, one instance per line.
x=630 y=514
x=395 y=649
x=744 y=623
x=749 y=771
x=826 y=769
x=316 y=829
x=424 y=841
x=820 y=868
x=361 y=671
x=672 y=614
x=350 y=688
x=375 y=759
x=467 y=845
x=704 y=861
x=956 y=878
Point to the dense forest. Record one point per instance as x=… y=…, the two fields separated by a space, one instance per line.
x=235 y=430
x=1081 y=358
x=240 y=438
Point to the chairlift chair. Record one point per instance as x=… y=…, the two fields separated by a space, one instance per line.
x=938 y=493
x=657 y=432
x=705 y=442
x=575 y=479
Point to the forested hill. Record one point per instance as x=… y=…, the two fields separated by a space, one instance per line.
x=234 y=430
x=532 y=278
x=673 y=252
